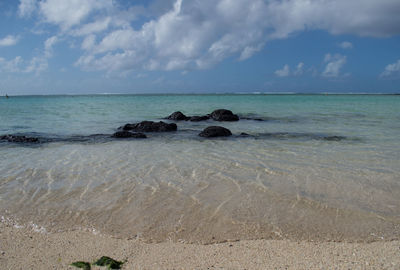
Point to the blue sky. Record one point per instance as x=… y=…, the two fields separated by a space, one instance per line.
x=192 y=46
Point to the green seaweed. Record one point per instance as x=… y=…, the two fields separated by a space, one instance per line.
x=84 y=265
x=109 y=262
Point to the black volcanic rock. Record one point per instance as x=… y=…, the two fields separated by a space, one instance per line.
x=215 y=131
x=224 y=115
x=199 y=118
x=178 y=116
x=127 y=134
x=150 y=126
x=19 y=139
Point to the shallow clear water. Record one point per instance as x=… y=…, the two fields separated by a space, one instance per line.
x=286 y=180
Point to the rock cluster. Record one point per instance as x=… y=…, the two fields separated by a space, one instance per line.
x=150 y=126
x=217 y=115
x=19 y=139
x=138 y=130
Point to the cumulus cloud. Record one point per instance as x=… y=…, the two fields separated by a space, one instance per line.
x=19 y=65
x=191 y=35
x=27 y=7
x=185 y=35
x=299 y=69
x=392 y=69
x=359 y=17
x=10 y=65
x=70 y=13
x=334 y=64
x=88 y=42
x=36 y=64
x=48 y=46
x=94 y=27
x=196 y=35
x=8 y=41
x=284 y=72
x=346 y=45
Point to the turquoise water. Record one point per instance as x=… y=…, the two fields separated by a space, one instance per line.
x=286 y=180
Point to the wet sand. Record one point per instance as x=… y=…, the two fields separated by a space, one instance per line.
x=24 y=248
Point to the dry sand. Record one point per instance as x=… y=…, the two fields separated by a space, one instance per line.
x=24 y=248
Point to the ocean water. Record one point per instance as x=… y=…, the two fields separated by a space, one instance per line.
x=320 y=167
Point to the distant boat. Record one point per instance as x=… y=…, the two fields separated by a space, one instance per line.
x=6 y=96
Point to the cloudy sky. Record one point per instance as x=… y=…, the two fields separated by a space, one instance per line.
x=199 y=46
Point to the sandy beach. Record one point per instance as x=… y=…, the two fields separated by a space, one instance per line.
x=25 y=248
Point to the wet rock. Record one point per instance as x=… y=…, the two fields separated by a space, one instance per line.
x=224 y=115
x=178 y=116
x=199 y=118
x=19 y=139
x=127 y=134
x=150 y=126
x=215 y=131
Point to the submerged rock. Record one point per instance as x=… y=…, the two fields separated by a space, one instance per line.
x=178 y=116
x=19 y=139
x=199 y=118
x=127 y=134
x=150 y=126
x=215 y=131
x=224 y=115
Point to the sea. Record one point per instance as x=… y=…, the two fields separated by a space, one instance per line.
x=302 y=167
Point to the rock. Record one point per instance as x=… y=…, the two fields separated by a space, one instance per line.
x=19 y=139
x=224 y=115
x=150 y=126
x=199 y=118
x=215 y=131
x=127 y=134
x=178 y=116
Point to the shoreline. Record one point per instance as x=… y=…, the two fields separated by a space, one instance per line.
x=23 y=248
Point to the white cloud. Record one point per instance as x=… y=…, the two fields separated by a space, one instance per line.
x=48 y=46
x=27 y=7
x=299 y=69
x=191 y=35
x=70 y=13
x=284 y=72
x=346 y=45
x=19 y=65
x=334 y=65
x=8 y=41
x=392 y=69
x=375 y=18
x=94 y=27
x=186 y=35
x=10 y=65
x=88 y=42
x=36 y=64
x=197 y=35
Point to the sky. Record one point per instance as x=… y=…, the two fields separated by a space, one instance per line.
x=199 y=46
